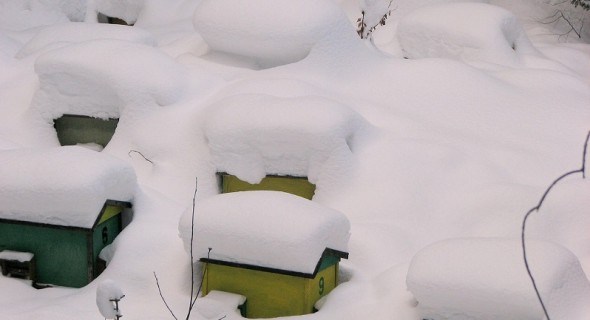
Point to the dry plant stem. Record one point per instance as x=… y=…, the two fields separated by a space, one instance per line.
x=536 y=209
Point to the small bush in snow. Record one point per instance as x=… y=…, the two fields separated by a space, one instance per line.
x=585 y=4
x=374 y=14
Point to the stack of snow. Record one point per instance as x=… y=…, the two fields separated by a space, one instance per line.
x=464 y=31
x=99 y=78
x=62 y=186
x=107 y=293
x=61 y=35
x=487 y=279
x=265 y=228
x=16 y=256
x=274 y=32
x=253 y=135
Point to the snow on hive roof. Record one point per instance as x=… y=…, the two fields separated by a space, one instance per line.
x=265 y=228
x=487 y=279
x=75 y=32
x=470 y=31
x=274 y=31
x=253 y=135
x=98 y=78
x=65 y=186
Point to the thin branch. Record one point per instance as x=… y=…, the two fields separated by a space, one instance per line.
x=190 y=302
x=536 y=209
x=162 y=296
x=526 y=263
x=578 y=33
x=141 y=154
x=584 y=156
x=202 y=279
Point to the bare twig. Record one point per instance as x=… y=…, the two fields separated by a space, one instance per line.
x=574 y=26
x=190 y=302
x=201 y=284
x=141 y=154
x=537 y=208
x=162 y=296
x=194 y=296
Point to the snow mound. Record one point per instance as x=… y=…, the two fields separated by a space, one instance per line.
x=216 y=304
x=464 y=31
x=265 y=228
x=60 y=35
x=99 y=78
x=106 y=293
x=274 y=32
x=62 y=186
x=252 y=135
x=487 y=279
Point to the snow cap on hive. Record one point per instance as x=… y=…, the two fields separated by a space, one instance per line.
x=274 y=32
x=268 y=229
x=485 y=278
x=65 y=186
x=64 y=34
x=99 y=78
x=253 y=135
x=464 y=31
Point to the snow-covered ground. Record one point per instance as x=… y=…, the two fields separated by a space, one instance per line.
x=460 y=140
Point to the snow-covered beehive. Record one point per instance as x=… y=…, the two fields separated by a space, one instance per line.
x=278 y=250
x=472 y=32
x=69 y=196
x=270 y=32
x=485 y=278
x=262 y=142
x=94 y=83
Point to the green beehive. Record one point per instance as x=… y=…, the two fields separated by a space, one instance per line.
x=77 y=129
x=65 y=255
x=298 y=186
x=63 y=205
x=280 y=251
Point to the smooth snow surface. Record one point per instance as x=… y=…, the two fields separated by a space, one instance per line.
x=467 y=31
x=485 y=279
x=270 y=229
x=273 y=32
x=100 y=78
x=65 y=186
x=254 y=135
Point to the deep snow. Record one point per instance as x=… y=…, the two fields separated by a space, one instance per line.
x=452 y=148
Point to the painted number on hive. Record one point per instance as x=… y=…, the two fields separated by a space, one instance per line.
x=321 y=284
